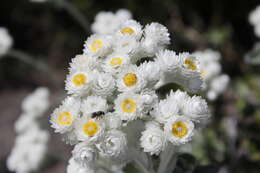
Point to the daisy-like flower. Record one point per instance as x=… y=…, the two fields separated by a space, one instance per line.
x=153 y=140
x=114 y=144
x=130 y=28
x=74 y=166
x=151 y=72
x=93 y=104
x=104 y=85
x=97 y=45
x=114 y=62
x=6 y=41
x=179 y=130
x=79 y=82
x=84 y=154
x=63 y=117
x=89 y=129
x=84 y=62
x=129 y=106
x=156 y=37
x=196 y=109
x=131 y=79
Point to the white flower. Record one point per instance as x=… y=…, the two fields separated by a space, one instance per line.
x=63 y=117
x=6 y=41
x=254 y=16
x=37 y=102
x=74 y=167
x=114 y=144
x=179 y=130
x=114 y=62
x=165 y=110
x=130 y=79
x=217 y=86
x=129 y=106
x=104 y=85
x=151 y=71
x=196 y=109
x=79 y=82
x=150 y=100
x=179 y=97
x=24 y=121
x=93 y=104
x=89 y=129
x=156 y=37
x=84 y=154
x=108 y=22
x=130 y=28
x=84 y=62
x=97 y=45
x=153 y=140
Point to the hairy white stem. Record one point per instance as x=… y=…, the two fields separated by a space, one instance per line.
x=168 y=159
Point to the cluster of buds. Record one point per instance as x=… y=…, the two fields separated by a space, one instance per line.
x=112 y=88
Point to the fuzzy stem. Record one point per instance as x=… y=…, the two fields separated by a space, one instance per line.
x=168 y=159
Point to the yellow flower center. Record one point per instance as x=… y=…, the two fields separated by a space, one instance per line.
x=127 y=30
x=64 y=118
x=115 y=61
x=128 y=105
x=79 y=79
x=190 y=64
x=179 y=129
x=95 y=44
x=90 y=128
x=130 y=79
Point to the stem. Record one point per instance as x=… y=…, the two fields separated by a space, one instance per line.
x=28 y=59
x=77 y=15
x=168 y=160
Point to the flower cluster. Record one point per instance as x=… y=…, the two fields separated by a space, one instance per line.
x=113 y=84
x=254 y=19
x=31 y=143
x=6 y=41
x=215 y=82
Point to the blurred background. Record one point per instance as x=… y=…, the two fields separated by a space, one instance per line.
x=49 y=33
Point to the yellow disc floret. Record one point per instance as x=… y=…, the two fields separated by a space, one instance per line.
x=95 y=44
x=64 y=118
x=90 y=128
x=130 y=79
x=179 y=129
x=128 y=105
x=115 y=61
x=127 y=30
x=190 y=64
x=79 y=79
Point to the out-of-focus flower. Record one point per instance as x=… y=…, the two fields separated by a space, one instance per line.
x=6 y=41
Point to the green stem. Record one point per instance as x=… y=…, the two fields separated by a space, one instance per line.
x=168 y=159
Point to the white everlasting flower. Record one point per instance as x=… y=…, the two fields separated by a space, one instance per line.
x=165 y=110
x=89 y=129
x=196 y=109
x=114 y=144
x=84 y=154
x=129 y=106
x=6 y=41
x=63 y=117
x=104 y=85
x=179 y=130
x=23 y=122
x=75 y=167
x=217 y=86
x=153 y=140
x=151 y=72
x=130 y=28
x=79 y=82
x=93 y=104
x=156 y=37
x=150 y=100
x=36 y=103
x=97 y=45
x=179 y=97
x=130 y=79
x=254 y=16
x=115 y=62
x=84 y=62
x=108 y=22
